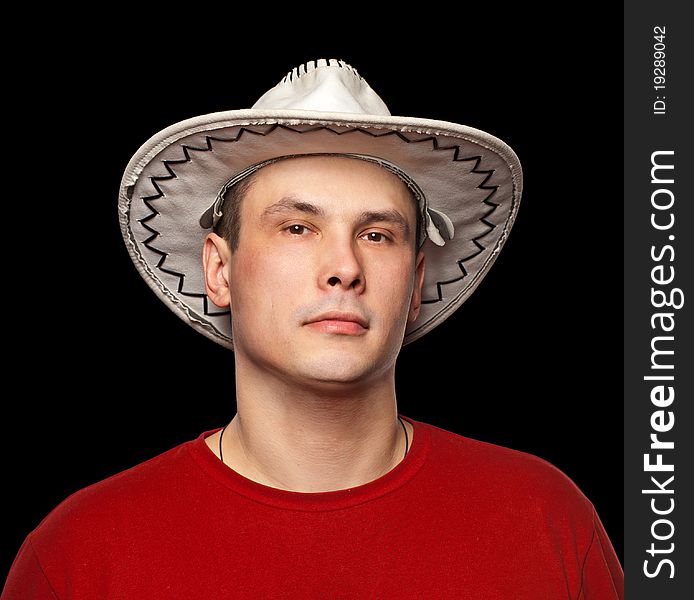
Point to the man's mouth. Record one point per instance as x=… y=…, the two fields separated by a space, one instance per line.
x=339 y=323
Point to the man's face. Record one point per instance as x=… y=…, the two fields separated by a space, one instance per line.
x=320 y=235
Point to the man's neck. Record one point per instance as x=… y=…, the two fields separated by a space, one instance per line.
x=315 y=440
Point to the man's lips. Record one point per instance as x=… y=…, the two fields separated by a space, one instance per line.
x=339 y=322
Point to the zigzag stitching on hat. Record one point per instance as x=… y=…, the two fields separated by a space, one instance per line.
x=172 y=175
x=188 y=158
x=481 y=186
x=504 y=234
x=180 y=277
x=440 y=284
x=243 y=130
x=160 y=194
x=487 y=200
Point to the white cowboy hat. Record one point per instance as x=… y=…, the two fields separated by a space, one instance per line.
x=468 y=184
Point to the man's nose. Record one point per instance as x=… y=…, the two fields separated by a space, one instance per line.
x=342 y=266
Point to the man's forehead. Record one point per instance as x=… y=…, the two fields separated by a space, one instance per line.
x=308 y=182
x=306 y=168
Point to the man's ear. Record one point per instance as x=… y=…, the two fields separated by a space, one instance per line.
x=215 y=264
x=416 y=300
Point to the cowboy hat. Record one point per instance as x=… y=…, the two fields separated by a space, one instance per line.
x=467 y=184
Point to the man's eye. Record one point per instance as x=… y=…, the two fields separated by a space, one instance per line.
x=376 y=236
x=296 y=229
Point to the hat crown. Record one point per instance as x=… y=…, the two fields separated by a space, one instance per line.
x=323 y=85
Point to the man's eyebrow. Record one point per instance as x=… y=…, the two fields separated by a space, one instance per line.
x=390 y=215
x=292 y=203
x=289 y=203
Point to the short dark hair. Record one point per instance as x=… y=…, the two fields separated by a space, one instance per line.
x=229 y=224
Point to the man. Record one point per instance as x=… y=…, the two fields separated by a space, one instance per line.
x=331 y=233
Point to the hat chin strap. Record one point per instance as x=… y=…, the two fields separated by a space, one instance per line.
x=437 y=226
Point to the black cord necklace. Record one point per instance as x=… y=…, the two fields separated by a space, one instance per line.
x=407 y=439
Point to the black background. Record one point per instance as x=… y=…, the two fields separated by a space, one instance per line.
x=106 y=376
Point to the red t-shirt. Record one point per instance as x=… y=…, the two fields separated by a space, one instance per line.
x=456 y=518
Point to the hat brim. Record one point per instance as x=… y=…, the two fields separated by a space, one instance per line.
x=468 y=174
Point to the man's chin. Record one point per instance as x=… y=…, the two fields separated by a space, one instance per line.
x=335 y=369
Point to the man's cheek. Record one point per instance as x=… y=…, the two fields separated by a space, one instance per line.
x=395 y=284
